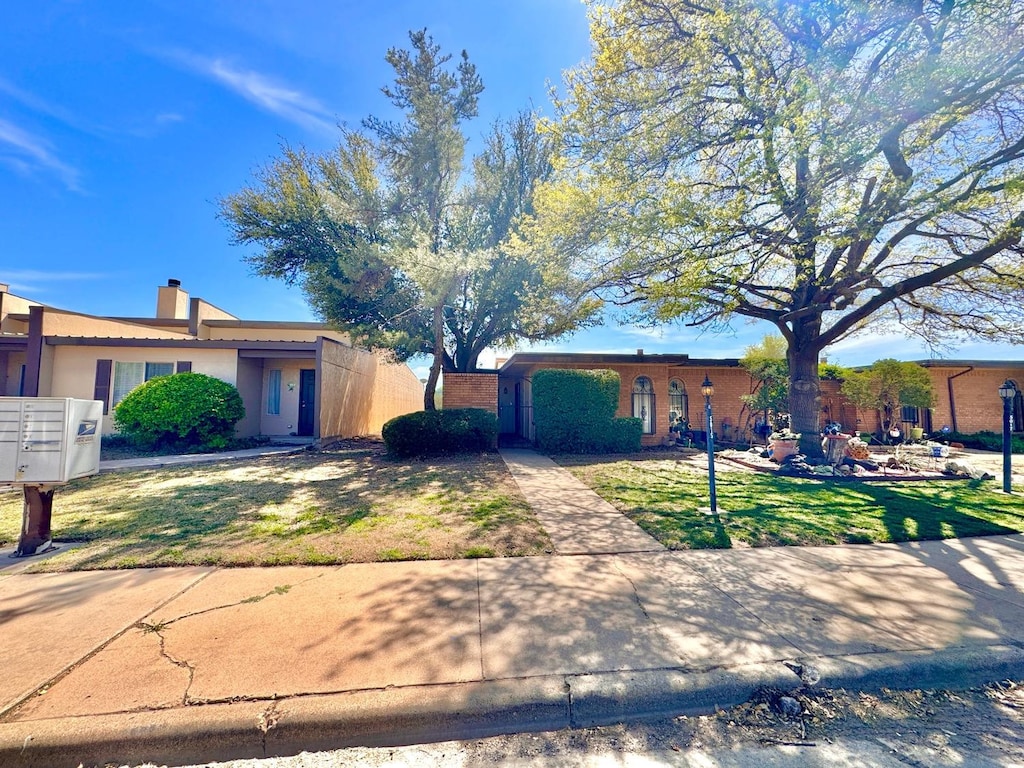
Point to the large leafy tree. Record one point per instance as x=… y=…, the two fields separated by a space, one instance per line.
x=390 y=242
x=825 y=166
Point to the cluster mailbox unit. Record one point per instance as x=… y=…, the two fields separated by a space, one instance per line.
x=45 y=442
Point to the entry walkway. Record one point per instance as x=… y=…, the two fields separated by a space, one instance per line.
x=578 y=521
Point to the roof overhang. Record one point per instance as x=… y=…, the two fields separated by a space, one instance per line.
x=280 y=349
x=522 y=362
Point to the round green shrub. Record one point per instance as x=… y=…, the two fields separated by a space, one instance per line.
x=428 y=433
x=183 y=411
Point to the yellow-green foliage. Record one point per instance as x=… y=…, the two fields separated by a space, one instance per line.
x=186 y=410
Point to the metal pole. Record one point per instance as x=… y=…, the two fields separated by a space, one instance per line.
x=711 y=453
x=1006 y=444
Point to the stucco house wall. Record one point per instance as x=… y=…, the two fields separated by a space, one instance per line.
x=69 y=354
x=396 y=391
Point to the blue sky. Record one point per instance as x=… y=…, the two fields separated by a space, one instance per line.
x=122 y=123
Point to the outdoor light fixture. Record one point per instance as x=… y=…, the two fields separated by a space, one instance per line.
x=707 y=389
x=1008 y=392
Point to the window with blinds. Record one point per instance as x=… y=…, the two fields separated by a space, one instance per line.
x=127 y=376
x=274 y=392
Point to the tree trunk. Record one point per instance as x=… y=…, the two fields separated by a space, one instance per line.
x=435 y=366
x=804 y=391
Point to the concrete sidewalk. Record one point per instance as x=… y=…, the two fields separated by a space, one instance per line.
x=197 y=664
x=155 y=462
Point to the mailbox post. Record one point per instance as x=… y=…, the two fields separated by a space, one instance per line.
x=45 y=442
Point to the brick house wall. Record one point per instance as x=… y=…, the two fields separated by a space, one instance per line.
x=733 y=420
x=974 y=388
x=471 y=390
x=975 y=393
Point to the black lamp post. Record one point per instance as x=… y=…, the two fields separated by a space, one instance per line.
x=1008 y=392
x=707 y=389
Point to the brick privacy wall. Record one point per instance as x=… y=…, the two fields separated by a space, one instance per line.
x=470 y=390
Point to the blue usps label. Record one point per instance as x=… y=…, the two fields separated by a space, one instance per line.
x=87 y=427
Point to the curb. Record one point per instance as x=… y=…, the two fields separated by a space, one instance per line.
x=420 y=714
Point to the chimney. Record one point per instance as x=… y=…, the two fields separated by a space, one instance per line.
x=171 y=301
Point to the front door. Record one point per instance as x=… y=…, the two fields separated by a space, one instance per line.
x=507 y=407
x=307 y=400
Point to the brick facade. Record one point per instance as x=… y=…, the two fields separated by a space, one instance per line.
x=974 y=394
x=470 y=390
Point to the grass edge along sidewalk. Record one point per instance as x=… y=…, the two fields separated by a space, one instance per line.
x=664 y=496
x=322 y=508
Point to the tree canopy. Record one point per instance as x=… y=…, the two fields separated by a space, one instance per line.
x=825 y=166
x=392 y=243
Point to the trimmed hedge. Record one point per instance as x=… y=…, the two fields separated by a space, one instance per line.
x=574 y=412
x=982 y=441
x=182 y=411
x=428 y=433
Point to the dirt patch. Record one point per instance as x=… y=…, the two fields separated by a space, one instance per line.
x=933 y=718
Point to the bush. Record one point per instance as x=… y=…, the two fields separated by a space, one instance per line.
x=575 y=413
x=623 y=435
x=427 y=433
x=982 y=441
x=184 y=411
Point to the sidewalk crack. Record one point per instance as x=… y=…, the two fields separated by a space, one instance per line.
x=480 y=621
x=636 y=594
x=158 y=629
x=282 y=589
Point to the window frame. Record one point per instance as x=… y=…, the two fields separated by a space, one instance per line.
x=144 y=371
x=679 y=398
x=274 y=392
x=643 y=403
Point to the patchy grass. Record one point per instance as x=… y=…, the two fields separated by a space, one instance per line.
x=759 y=510
x=313 y=509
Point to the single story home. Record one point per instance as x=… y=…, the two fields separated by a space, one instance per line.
x=295 y=378
x=659 y=388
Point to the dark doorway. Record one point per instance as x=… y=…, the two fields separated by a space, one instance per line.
x=307 y=400
x=506 y=407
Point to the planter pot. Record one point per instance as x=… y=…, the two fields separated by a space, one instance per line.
x=916 y=433
x=778 y=450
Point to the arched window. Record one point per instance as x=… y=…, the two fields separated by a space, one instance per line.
x=643 y=403
x=678 y=403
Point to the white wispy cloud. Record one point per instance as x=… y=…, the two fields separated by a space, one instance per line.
x=33 y=152
x=264 y=91
x=35 y=282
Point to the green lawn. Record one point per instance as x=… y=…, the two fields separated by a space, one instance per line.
x=311 y=508
x=760 y=509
